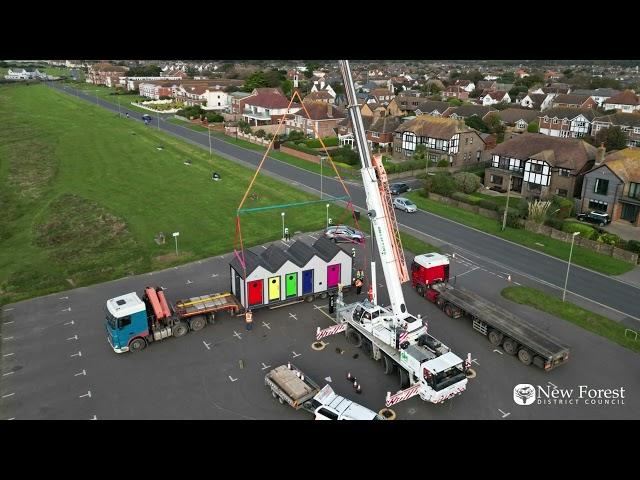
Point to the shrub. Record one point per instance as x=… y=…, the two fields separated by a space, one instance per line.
x=328 y=142
x=554 y=222
x=538 y=210
x=514 y=215
x=260 y=133
x=488 y=204
x=565 y=207
x=296 y=135
x=467 y=182
x=214 y=118
x=609 y=239
x=585 y=230
x=441 y=183
x=443 y=162
x=633 y=246
x=462 y=197
x=345 y=155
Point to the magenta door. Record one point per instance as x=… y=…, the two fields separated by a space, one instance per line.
x=333 y=275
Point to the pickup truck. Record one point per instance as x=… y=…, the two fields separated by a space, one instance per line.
x=289 y=385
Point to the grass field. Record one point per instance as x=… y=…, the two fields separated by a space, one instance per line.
x=84 y=193
x=556 y=248
x=105 y=93
x=586 y=319
x=192 y=126
x=499 y=200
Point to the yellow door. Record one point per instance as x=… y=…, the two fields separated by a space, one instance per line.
x=274 y=288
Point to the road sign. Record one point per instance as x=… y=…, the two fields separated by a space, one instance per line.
x=175 y=234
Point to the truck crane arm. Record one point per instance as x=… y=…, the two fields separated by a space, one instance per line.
x=379 y=205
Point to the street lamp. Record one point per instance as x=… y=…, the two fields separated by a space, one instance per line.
x=158 y=120
x=506 y=208
x=564 y=293
x=282 y=215
x=209 y=133
x=175 y=235
x=321 y=158
x=327 y=215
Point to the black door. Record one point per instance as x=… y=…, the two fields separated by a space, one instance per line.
x=629 y=212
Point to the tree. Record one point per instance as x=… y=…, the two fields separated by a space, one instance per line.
x=287 y=87
x=614 y=138
x=261 y=133
x=191 y=72
x=255 y=80
x=496 y=126
x=532 y=127
x=420 y=153
x=339 y=88
x=145 y=71
x=467 y=182
x=455 y=102
x=474 y=121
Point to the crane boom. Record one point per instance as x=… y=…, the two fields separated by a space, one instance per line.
x=380 y=209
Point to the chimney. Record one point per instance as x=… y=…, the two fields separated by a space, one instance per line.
x=600 y=154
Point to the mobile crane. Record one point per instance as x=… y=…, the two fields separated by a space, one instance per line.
x=391 y=334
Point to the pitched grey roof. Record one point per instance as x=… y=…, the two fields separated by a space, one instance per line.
x=466 y=111
x=620 y=119
x=273 y=258
x=568 y=113
x=252 y=262
x=431 y=105
x=512 y=115
x=300 y=253
x=326 y=249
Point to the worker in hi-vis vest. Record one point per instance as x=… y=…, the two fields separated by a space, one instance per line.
x=248 y=318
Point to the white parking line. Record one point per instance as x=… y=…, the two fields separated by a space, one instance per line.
x=79 y=354
x=7 y=323
x=312 y=236
x=63 y=298
x=88 y=394
x=498 y=351
x=214 y=275
x=8 y=354
x=475 y=361
x=66 y=309
x=8 y=309
x=206 y=345
x=516 y=283
x=504 y=415
x=232 y=379
x=8 y=338
x=468 y=271
x=293 y=315
x=8 y=395
x=236 y=334
x=8 y=373
x=83 y=372
x=264 y=367
x=263 y=247
x=69 y=323
x=296 y=354
x=189 y=282
x=75 y=337
x=266 y=325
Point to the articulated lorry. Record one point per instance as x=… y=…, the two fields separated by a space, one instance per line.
x=430 y=278
x=289 y=385
x=133 y=322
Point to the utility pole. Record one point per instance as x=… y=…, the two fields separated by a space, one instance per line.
x=506 y=208
x=209 y=133
x=158 y=120
x=566 y=279
x=119 y=114
x=321 y=157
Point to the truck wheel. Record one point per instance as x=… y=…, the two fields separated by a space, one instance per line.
x=389 y=365
x=281 y=400
x=273 y=394
x=420 y=290
x=449 y=310
x=198 y=323
x=404 y=378
x=495 y=338
x=525 y=356
x=308 y=298
x=180 y=329
x=440 y=302
x=367 y=348
x=137 y=344
x=510 y=346
x=308 y=405
x=354 y=338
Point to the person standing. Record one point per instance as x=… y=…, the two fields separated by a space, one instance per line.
x=358 y=286
x=248 y=318
x=353 y=252
x=287 y=237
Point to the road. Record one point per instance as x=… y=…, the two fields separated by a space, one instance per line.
x=56 y=362
x=510 y=257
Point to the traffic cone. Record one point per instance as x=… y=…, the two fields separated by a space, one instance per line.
x=349 y=377
x=355 y=385
x=359 y=389
x=508 y=278
x=289 y=365
x=302 y=377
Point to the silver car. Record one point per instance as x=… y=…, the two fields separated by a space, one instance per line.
x=344 y=233
x=405 y=204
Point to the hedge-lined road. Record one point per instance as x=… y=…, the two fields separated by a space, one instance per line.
x=510 y=257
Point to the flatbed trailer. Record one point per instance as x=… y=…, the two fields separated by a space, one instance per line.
x=291 y=386
x=517 y=337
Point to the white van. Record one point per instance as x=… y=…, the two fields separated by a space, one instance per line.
x=329 y=406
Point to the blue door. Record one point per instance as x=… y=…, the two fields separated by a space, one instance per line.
x=307 y=282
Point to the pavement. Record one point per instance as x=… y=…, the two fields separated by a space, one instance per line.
x=623 y=229
x=616 y=294
x=57 y=363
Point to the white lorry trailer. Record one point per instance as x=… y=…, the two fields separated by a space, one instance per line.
x=289 y=385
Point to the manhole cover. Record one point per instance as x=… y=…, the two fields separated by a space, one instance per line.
x=318 y=346
x=471 y=373
x=387 y=413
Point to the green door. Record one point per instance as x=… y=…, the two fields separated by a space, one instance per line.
x=292 y=285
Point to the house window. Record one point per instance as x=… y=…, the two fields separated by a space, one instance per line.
x=601 y=187
x=408 y=141
x=478 y=155
x=555 y=120
x=534 y=187
x=636 y=130
x=375 y=134
x=564 y=172
x=495 y=161
x=466 y=141
x=546 y=119
x=598 y=206
x=536 y=167
x=634 y=190
x=433 y=158
x=561 y=192
x=497 y=179
x=431 y=142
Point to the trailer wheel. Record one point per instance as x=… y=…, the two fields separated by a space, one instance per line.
x=281 y=400
x=308 y=405
x=308 y=298
x=495 y=337
x=440 y=302
x=198 y=323
x=449 y=310
x=354 y=338
x=137 y=345
x=389 y=365
x=180 y=329
x=525 y=356
x=420 y=290
x=212 y=319
x=510 y=346
x=324 y=295
x=404 y=378
x=273 y=394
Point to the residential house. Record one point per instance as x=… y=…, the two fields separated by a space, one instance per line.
x=317 y=119
x=22 y=74
x=216 y=99
x=466 y=111
x=320 y=84
x=382 y=95
x=156 y=90
x=380 y=133
x=487 y=85
x=100 y=72
x=444 y=138
x=599 y=94
x=628 y=122
x=540 y=166
x=521 y=73
x=517 y=119
x=237 y=101
x=133 y=83
x=613 y=185
x=556 y=88
x=566 y=122
x=626 y=102
x=552 y=75
x=571 y=100
x=455 y=91
x=345 y=128
x=320 y=96
x=266 y=106
x=467 y=85
x=432 y=107
x=537 y=101
x=497 y=96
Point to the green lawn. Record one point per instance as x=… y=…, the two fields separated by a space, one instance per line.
x=105 y=93
x=586 y=319
x=499 y=200
x=192 y=126
x=84 y=193
x=556 y=248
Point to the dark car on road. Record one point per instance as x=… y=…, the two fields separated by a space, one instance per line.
x=343 y=233
x=598 y=218
x=398 y=188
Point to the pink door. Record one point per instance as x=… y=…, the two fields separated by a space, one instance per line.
x=333 y=275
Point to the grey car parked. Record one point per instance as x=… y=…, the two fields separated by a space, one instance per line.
x=344 y=233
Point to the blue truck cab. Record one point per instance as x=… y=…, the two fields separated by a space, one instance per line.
x=126 y=319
